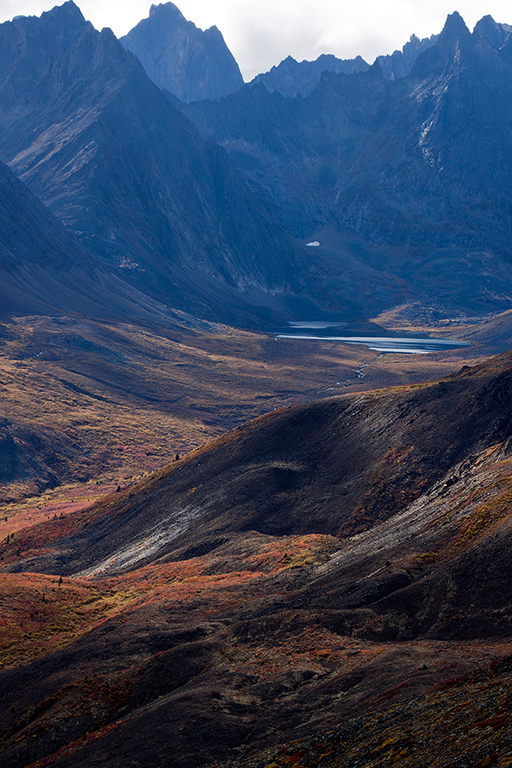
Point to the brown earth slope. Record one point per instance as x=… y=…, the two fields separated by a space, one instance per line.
x=226 y=604
x=335 y=467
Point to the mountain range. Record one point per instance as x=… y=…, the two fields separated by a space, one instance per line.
x=105 y=150
x=390 y=176
x=412 y=174
x=291 y=77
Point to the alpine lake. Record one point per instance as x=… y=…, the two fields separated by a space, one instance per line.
x=404 y=343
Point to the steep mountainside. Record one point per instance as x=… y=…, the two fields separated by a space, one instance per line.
x=414 y=173
x=181 y=58
x=210 y=613
x=291 y=77
x=45 y=270
x=100 y=144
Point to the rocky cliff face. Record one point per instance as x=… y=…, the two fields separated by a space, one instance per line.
x=416 y=171
x=100 y=144
x=190 y=63
x=291 y=77
x=399 y=63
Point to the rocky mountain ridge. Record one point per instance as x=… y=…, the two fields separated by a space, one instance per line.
x=413 y=173
x=291 y=77
x=399 y=63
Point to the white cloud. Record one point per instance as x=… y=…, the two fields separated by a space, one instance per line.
x=263 y=33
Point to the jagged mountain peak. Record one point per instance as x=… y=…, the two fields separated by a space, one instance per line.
x=65 y=16
x=497 y=34
x=167 y=10
x=69 y=9
x=190 y=63
x=29 y=65
x=454 y=22
x=455 y=35
x=169 y=13
x=401 y=62
x=292 y=77
x=64 y=21
x=66 y=13
x=485 y=20
x=215 y=33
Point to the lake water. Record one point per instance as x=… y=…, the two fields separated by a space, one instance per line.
x=405 y=343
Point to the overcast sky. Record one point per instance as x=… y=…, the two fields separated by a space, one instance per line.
x=261 y=33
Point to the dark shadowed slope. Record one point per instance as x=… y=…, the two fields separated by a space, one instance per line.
x=45 y=270
x=83 y=126
x=190 y=63
x=336 y=467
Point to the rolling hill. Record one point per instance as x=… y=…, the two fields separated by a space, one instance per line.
x=318 y=569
